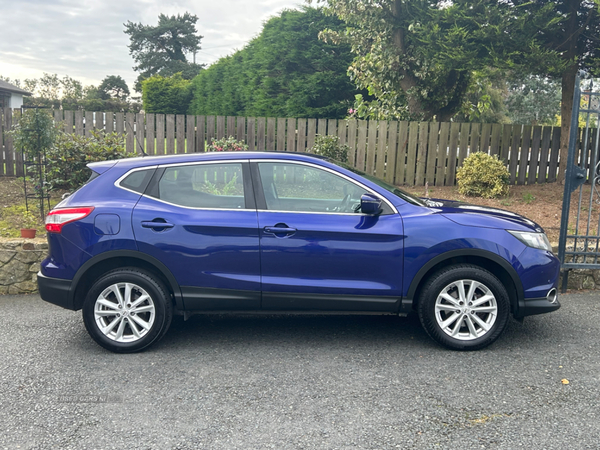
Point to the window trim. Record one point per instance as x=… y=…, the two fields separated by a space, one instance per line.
x=261 y=196
x=249 y=202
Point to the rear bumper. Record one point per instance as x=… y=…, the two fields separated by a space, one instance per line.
x=55 y=290
x=533 y=306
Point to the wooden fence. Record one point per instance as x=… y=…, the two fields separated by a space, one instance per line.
x=403 y=153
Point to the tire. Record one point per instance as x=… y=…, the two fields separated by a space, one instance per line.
x=126 y=327
x=455 y=321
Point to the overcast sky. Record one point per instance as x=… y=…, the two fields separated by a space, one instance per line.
x=84 y=38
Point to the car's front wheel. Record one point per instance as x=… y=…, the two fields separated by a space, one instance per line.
x=127 y=310
x=464 y=307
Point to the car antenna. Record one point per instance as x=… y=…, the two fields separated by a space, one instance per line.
x=136 y=139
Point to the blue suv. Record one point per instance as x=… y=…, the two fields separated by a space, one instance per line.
x=150 y=237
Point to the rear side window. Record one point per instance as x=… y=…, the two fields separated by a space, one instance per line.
x=213 y=186
x=137 y=181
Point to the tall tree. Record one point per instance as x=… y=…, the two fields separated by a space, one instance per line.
x=417 y=57
x=162 y=49
x=114 y=86
x=570 y=29
x=284 y=72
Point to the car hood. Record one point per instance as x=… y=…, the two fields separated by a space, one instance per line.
x=481 y=216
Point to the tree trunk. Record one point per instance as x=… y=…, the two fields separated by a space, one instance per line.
x=568 y=86
x=566 y=108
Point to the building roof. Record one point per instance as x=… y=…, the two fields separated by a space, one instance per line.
x=4 y=86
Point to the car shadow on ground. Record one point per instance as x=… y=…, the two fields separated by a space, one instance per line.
x=294 y=329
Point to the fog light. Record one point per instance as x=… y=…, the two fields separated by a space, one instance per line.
x=552 y=296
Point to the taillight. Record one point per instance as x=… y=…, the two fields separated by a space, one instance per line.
x=57 y=218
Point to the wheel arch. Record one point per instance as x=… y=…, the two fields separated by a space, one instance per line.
x=93 y=268
x=485 y=259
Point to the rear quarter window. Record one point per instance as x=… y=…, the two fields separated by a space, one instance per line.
x=137 y=181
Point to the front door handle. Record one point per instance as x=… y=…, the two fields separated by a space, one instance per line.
x=280 y=230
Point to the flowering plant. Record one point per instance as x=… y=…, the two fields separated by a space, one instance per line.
x=229 y=144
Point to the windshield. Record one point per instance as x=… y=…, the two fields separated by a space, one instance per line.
x=388 y=187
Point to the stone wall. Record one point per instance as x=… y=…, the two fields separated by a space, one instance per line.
x=19 y=264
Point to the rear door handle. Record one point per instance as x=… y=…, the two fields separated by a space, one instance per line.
x=157 y=223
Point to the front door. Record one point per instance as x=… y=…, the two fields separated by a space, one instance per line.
x=200 y=221
x=317 y=252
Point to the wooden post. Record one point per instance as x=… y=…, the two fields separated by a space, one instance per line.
x=190 y=134
x=150 y=135
x=351 y=141
x=291 y=135
x=260 y=134
x=421 y=154
x=140 y=134
x=301 y=145
x=180 y=133
x=280 y=135
x=452 y=154
x=160 y=134
x=361 y=144
x=129 y=133
x=371 y=146
x=544 y=152
x=170 y=133
x=392 y=148
x=270 y=144
x=382 y=141
x=434 y=154
x=200 y=134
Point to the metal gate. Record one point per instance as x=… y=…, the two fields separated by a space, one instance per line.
x=579 y=244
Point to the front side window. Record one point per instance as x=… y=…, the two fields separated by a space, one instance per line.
x=296 y=187
x=213 y=186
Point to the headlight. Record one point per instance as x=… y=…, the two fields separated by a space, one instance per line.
x=535 y=240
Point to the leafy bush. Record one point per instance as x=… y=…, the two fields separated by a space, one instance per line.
x=166 y=95
x=68 y=158
x=330 y=147
x=229 y=144
x=482 y=175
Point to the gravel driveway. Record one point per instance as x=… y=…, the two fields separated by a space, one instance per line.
x=301 y=382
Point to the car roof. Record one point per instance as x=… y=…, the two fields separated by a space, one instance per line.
x=143 y=161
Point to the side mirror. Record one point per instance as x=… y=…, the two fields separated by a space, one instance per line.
x=370 y=204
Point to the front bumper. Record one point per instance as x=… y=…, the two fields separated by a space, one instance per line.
x=533 y=306
x=55 y=290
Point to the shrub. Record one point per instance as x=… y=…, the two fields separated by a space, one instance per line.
x=67 y=160
x=166 y=95
x=229 y=144
x=482 y=175
x=330 y=147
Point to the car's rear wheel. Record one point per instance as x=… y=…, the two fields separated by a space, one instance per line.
x=464 y=307
x=127 y=310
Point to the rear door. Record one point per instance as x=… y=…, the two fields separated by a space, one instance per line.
x=317 y=251
x=200 y=220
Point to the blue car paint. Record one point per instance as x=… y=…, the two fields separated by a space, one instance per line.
x=328 y=254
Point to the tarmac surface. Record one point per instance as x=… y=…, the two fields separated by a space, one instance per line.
x=299 y=382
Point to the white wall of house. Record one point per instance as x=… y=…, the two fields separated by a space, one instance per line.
x=16 y=100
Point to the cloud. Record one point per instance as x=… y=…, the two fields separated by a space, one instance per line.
x=84 y=38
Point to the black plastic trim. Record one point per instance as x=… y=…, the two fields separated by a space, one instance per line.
x=55 y=290
x=209 y=299
x=292 y=301
x=534 y=306
x=126 y=254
